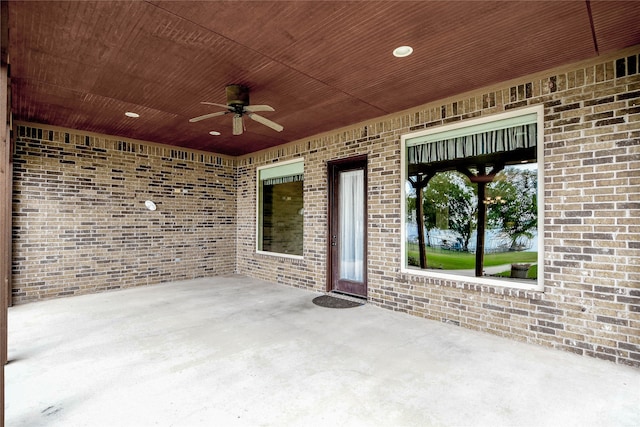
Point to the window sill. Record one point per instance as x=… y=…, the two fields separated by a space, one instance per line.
x=279 y=255
x=522 y=288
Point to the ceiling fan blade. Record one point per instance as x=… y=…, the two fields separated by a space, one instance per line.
x=208 y=116
x=256 y=108
x=237 y=124
x=273 y=125
x=217 y=105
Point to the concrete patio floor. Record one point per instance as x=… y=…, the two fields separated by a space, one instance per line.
x=229 y=351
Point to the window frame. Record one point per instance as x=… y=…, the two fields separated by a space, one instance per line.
x=406 y=139
x=259 y=202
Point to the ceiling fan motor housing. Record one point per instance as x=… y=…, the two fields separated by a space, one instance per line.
x=237 y=96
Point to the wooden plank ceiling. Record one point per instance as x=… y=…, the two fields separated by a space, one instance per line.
x=321 y=64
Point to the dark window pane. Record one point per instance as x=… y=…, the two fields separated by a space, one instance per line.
x=282 y=218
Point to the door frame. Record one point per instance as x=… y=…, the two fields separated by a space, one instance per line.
x=334 y=167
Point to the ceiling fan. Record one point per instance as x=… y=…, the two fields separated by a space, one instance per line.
x=238 y=105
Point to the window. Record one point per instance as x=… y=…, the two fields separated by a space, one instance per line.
x=472 y=200
x=281 y=208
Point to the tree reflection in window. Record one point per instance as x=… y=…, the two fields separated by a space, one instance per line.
x=450 y=209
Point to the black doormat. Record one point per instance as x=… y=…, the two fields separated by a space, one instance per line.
x=333 y=302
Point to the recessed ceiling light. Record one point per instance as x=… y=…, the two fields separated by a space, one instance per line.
x=132 y=114
x=402 y=51
x=214 y=133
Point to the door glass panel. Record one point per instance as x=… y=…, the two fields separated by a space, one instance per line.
x=351 y=215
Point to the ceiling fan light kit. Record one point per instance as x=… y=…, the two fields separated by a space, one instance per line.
x=238 y=126
x=238 y=105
